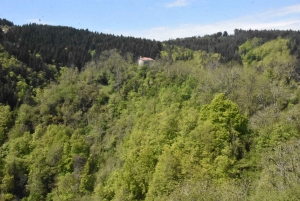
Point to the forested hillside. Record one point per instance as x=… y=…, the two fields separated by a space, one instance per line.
x=194 y=125
x=228 y=45
x=66 y=46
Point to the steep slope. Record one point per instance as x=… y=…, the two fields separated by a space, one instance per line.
x=174 y=130
x=191 y=126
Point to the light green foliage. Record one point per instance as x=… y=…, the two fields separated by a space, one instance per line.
x=224 y=132
x=185 y=128
x=272 y=58
x=21 y=88
x=167 y=175
x=176 y=53
x=206 y=189
x=7 y=61
x=38 y=56
x=200 y=58
x=215 y=141
x=249 y=45
x=5 y=122
x=92 y=52
x=274 y=128
x=224 y=112
x=15 y=155
x=279 y=179
x=48 y=158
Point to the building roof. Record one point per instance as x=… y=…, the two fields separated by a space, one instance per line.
x=146 y=59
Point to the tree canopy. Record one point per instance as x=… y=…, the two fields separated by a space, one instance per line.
x=194 y=125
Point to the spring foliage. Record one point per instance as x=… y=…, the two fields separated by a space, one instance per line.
x=187 y=127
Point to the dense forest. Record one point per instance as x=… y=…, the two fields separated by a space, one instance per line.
x=228 y=45
x=213 y=118
x=66 y=46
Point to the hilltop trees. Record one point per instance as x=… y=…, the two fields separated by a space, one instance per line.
x=189 y=127
x=66 y=46
x=227 y=45
x=6 y=22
